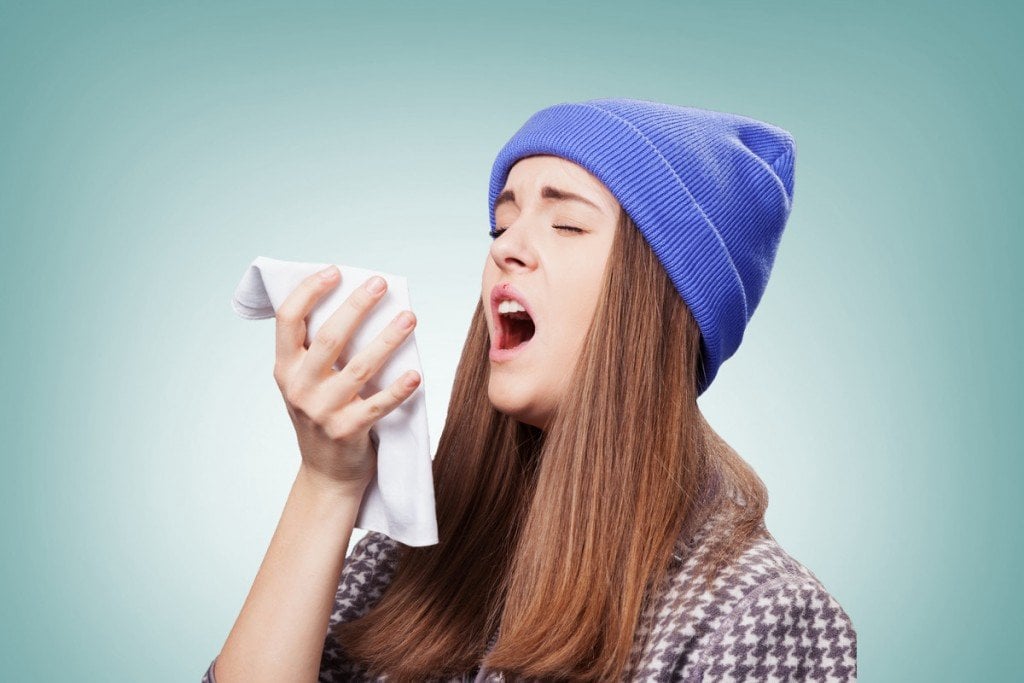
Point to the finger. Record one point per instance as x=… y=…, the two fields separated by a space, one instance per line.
x=371 y=409
x=291 y=315
x=335 y=333
x=368 y=361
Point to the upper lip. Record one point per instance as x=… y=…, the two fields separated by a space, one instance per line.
x=503 y=291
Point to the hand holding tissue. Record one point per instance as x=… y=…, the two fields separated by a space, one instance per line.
x=399 y=501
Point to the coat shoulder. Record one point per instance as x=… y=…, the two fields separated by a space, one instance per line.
x=765 y=616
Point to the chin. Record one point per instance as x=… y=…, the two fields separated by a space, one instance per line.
x=509 y=402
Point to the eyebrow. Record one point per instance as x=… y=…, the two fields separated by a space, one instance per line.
x=546 y=192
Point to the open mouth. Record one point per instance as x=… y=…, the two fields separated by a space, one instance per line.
x=516 y=328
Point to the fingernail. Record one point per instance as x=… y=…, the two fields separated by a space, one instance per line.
x=328 y=272
x=405 y=319
x=375 y=285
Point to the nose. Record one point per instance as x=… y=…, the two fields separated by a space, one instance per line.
x=512 y=250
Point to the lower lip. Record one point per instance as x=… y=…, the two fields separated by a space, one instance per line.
x=502 y=355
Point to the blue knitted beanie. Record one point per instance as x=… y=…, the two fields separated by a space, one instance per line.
x=710 y=191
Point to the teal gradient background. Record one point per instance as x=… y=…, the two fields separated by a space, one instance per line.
x=149 y=153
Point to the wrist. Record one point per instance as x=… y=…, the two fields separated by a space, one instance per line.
x=316 y=484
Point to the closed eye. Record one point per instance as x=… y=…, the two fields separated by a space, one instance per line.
x=496 y=233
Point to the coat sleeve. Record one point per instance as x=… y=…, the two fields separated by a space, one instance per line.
x=792 y=629
x=365 y=574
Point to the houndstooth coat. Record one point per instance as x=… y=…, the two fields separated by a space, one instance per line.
x=767 y=618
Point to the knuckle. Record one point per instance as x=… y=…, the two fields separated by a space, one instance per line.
x=340 y=428
x=298 y=409
x=294 y=402
x=296 y=398
x=317 y=415
x=359 y=369
x=374 y=410
x=326 y=338
x=392 y=337
x=285 y=315
x=361 y=299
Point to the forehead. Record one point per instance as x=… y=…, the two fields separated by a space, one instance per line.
x=545 y=167
x=529 y=174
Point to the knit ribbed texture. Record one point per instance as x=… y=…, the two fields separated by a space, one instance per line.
x=710 y=192
x=767 y=617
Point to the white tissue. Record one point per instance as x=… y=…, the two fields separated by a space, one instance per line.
x=399 y=501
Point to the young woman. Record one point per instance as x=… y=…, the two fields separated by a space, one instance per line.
x=592 y=525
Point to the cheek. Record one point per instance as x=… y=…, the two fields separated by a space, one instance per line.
x=572 y=317
x=585 y=290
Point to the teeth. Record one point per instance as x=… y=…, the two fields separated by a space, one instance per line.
x=509 y=306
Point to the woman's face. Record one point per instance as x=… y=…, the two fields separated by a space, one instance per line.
x=557 y=272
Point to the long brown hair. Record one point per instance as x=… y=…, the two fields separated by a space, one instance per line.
x=559 y=536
